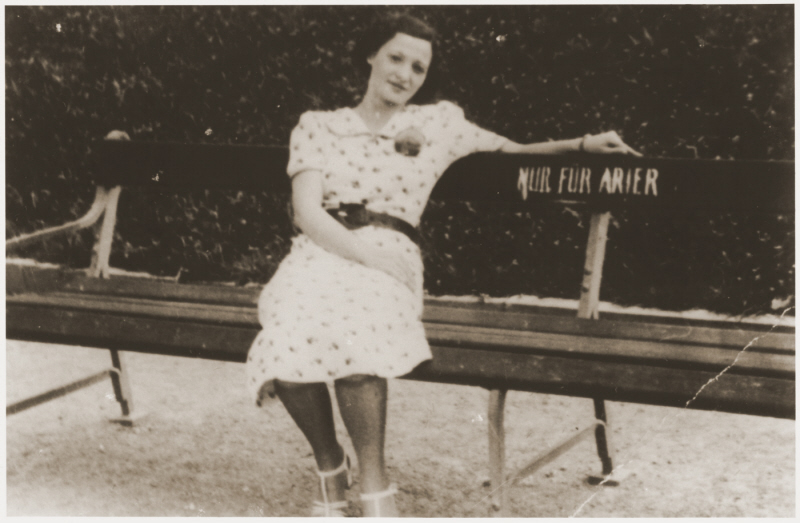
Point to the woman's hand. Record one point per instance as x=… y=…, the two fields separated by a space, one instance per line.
x=607 y=143
x=388 y=262
x=331 y=235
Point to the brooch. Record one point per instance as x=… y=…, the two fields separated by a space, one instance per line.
x=409 y=141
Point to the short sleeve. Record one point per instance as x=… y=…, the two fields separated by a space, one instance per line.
x=305 y=145
x=463 y=137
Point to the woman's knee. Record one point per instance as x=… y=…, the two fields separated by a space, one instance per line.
x=359 y=380
x=296 y=386
x=290 y=384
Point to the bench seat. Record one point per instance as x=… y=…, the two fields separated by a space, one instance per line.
x=619 y=357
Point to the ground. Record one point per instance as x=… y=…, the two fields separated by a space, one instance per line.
x=203 y=449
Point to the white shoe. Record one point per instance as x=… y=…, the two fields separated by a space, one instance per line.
x=376 y=497
x=332 y=509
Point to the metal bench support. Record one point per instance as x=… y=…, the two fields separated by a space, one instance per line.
x=104 y=236
x=105 y=206
x=497 y=451
x=587 y=308
x=122 y=390
x=90 y=218
x=58 y=392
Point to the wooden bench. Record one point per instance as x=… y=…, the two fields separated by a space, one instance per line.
x=737 y=367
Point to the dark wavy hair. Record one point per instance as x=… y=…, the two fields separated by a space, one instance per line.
x=383 y=29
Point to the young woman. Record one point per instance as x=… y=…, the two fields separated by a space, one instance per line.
x=345 y=305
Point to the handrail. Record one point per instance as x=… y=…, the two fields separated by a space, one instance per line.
x=101 y=199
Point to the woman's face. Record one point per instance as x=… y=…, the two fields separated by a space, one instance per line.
x=399 y=68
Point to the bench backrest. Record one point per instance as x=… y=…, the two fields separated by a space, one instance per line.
x=604 y=182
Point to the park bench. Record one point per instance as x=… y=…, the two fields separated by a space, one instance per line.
x=732 y=366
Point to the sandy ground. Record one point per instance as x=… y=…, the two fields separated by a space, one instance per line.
x=202 y=449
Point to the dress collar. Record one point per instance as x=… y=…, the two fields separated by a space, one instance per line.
x=346 y=122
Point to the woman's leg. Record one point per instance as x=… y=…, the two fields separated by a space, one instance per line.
x=309 y=405
x=362 y=403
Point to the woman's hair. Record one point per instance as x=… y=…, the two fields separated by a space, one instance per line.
x=383 y=29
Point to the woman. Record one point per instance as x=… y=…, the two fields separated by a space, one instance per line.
x=345 y=305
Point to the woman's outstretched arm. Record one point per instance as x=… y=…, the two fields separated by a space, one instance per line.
x=604 y=143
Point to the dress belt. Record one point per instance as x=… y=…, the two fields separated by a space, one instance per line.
x=356 y=215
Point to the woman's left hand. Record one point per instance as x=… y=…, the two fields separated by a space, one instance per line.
x=607 y=143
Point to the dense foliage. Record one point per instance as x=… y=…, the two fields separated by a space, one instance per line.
x=678 y=81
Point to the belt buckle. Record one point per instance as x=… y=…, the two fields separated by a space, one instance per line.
x=355 y=213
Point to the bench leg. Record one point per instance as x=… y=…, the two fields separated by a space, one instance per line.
x=604 y=448
x=58 y=392
x=497 y=452
x=602 y=436
x=104 y=236
x=119 y=381
x=122 y=390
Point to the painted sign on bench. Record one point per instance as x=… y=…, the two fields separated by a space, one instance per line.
x=615 y=181
x=579 y=180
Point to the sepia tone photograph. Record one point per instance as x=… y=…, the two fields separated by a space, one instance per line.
x=400 y=261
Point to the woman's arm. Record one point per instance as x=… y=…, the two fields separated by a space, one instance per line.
x=332 y=236
x=604 y=143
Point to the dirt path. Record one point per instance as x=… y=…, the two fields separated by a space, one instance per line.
x=203 y=449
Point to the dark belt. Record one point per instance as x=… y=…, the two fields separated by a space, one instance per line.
x=356 y=215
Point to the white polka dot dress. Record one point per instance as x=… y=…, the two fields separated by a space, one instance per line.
x=324 y=317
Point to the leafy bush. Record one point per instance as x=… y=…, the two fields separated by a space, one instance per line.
x=678 y=81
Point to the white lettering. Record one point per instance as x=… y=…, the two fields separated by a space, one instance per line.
x=605 y=181
x=586 y=174
x=616 y=183
x=522 y=182
x=573 y=181
x=561 y=178
x=533 y=179
x=650 y=182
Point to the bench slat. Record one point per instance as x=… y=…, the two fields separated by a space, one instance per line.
x=153 y=289
x=93 y=328
x=619 y=326
x=175 y=310
x=732 y=335
x=576 y=344
x=516 y=371
x=653 y=353
x=614 y=381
